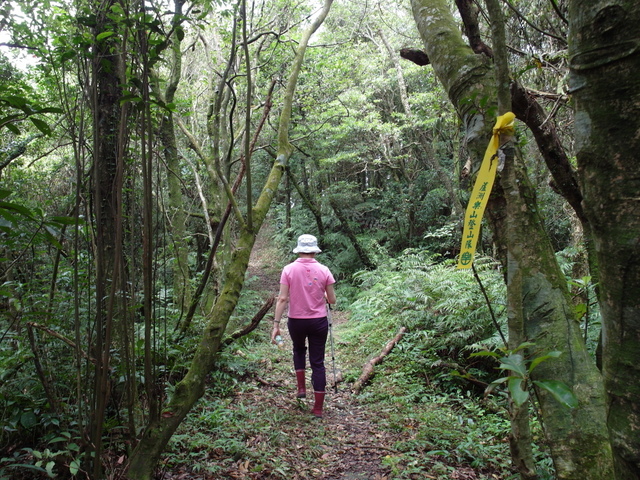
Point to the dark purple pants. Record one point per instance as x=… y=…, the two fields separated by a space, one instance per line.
x=314 y=330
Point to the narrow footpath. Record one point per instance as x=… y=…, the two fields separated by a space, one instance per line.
x=345 y=444
x=262 y=432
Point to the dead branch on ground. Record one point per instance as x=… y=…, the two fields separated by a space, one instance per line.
x=367 y=371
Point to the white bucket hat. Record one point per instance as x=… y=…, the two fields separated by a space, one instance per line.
x=307 y=244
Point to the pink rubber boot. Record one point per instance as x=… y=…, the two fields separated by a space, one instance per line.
x=302 y=391
x=317 y=408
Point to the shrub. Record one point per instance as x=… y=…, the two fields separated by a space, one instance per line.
x=442 y=308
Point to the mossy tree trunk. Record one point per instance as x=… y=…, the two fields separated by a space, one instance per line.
x=520 y=438
x=605 y=61
x=537 y=293
x=537 y=290
x=187 y=392
x=167 y=135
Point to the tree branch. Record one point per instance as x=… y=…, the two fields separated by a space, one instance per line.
x=528 y=110
x=525 y=20
x=415 y=55
x=255 y=321
x=64 y=339
x=469 y=14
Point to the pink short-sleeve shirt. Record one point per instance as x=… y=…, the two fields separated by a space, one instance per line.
x=307 y=280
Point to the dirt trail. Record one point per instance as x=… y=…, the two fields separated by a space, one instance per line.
x=351 y=446
x=287 y=442
x=276 y=435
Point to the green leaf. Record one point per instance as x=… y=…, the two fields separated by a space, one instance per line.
x=68 y=55
x=515 y=363
x=22 y=210
x=103 y=35
x=50 y=235
x=58 y=439
x=485 y=353
x=580 y=309
x=15 y=101
x=502 y=380
x=50 y=466
x=130 y=98
x=74 y=467
x=560 y=392
x=28 y=419
x=518 y=394
x=50 y=110
x=542 y=358
x=30 y=467
x=66 y=220
x=88 y=20
x=41 y=125
x=492 y=386
x=444 y=453
x=13 y=128
x=523 y=346
x=117 y=8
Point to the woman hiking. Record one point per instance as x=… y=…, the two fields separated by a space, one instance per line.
x=307 y=286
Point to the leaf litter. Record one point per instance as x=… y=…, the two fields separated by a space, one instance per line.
x=277 y=437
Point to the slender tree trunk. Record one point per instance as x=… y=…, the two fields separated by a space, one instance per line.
x=107 y=178
x=176 y=213
x=520 y=439
x=344 y=221
x=604 y=82
x=147 y=453
x=541 y=297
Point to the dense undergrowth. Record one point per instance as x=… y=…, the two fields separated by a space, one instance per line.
x=426 y=398
x=426 y=402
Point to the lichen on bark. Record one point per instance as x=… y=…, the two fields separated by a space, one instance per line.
x=536 y=287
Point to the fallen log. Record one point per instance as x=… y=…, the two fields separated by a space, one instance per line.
x=367 y=370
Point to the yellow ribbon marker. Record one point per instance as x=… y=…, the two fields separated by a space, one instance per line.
x=481 y=191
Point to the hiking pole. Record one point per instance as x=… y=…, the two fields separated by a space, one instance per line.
x=333 y=353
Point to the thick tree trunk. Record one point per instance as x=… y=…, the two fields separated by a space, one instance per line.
x=540 y=296
x=605 y=61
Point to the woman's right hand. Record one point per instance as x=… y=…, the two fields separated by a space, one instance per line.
x=275 y=332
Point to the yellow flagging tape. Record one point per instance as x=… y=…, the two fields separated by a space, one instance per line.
x=481 y=191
